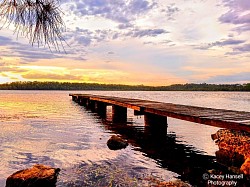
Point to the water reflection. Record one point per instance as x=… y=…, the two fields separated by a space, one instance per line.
x=48 y=128
x=166 y=150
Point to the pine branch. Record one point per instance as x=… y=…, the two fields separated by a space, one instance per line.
x=38 y=20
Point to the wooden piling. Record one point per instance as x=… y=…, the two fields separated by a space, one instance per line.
x=156 y=123
x=92 y=105
x=119 y=114
x=101 y=109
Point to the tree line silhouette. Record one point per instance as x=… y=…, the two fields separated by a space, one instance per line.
x=35 y=85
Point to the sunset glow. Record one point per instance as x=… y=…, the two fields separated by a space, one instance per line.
x=150 y=42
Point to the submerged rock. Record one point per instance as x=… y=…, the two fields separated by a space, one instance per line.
x=229 y=158
x=37 y=176
x=234 y=148
x=115 y=143
x=174 y=183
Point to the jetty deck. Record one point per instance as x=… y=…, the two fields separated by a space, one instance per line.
x=156 y=112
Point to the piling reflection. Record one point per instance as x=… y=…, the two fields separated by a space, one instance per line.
x=169 y=153
x=175 y=156
x=164 y=148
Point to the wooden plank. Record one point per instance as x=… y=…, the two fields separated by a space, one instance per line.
x=114 y=102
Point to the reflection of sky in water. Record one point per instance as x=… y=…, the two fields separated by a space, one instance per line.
x=48 y=128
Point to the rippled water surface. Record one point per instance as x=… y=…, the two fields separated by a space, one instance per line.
x=47 y=127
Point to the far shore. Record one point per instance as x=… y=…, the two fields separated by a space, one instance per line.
x=121 y=87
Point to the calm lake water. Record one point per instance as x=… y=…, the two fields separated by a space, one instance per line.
x=47 y=127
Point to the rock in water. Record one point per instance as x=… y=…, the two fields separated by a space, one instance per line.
x=234 y=147
x=37 y=176
x=115 y=143
x=245 y=168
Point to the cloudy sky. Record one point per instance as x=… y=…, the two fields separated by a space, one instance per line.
x=150 y=42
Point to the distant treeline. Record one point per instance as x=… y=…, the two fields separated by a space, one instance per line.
x=112 y=87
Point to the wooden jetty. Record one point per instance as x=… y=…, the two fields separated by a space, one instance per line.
x=156 y=113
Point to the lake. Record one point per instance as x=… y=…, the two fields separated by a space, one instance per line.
x=47 y=127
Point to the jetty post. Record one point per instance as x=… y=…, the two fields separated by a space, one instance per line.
x=92 y=105
x=155 y=123
x=119 y=114
x=82 y=101
x=101 y=109
x=74 y=98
